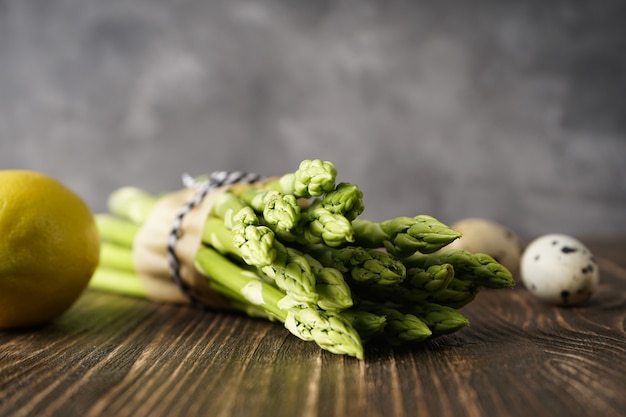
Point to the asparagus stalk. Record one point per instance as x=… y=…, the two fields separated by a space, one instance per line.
x=225 y=205
x=116 y=256
x=440 y=319
x=313 y=178
x=114 y=280
x=363 y=265
x=292 y=273
x=334 y=293
x=322 y=226
x=250 y=310
x=131 y=203
x=216 y=234
x=346 y=200
x=368 y=325
x=401 y=328
x=237 y=280
x=116 y=230
x=478 y=268
x=457 y=294
x=239 y=302
x=330 y=330
x=404 y=236
x=280 y=212
x=382 y=293
x=255 y=242
x=434 y=278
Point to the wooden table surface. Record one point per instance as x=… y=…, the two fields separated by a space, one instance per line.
x=118 y=356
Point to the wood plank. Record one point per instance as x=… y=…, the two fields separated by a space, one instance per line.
x=112 y=355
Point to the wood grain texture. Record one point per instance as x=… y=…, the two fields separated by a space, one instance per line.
x=112 y=355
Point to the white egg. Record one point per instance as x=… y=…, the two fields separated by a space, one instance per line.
x=486 y=236
x=559 y=269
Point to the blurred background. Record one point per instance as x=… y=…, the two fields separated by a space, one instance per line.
x=513 y=111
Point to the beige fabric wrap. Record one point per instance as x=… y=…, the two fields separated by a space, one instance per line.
x=150 y=250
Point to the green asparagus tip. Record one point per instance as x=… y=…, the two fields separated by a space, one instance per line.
x=313 y=178
x=346 y=199
x=441 y=319
x=255 y=244
x=281 y=211
x=328 y=330
x=325 y=227
x=368 y=325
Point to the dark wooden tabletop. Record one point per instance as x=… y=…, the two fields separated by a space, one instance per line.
x=118 y=356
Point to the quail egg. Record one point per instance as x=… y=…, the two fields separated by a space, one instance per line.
x=559 y=269
x=486 y=236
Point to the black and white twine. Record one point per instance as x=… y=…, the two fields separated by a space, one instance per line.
x=216 y=179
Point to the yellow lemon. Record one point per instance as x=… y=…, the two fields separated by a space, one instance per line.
x=49 y=248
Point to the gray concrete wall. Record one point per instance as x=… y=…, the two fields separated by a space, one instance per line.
x=515 y=111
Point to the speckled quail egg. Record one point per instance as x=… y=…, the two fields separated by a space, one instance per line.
x=559 y=269
x=486 y=236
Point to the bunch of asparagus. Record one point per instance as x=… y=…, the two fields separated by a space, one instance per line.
x=293 y=249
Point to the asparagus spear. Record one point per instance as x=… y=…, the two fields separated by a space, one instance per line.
x=131 y=203
x=439 y=319
x=479 y=268
x=292 y=273
x=434 y=278
x=334 y=293
x=404 y=236
x=254 y=242
x=401 y=328
x=457 y=294
x=368 y=325
x=322 y=226
x=240 y=281
x=116 y=230
x=363 y=265
x=225 y=205
x=313 y=178
x=330 y=330
x=116 y=256
x=114 y=280
x=280 y=212
x=346 y=200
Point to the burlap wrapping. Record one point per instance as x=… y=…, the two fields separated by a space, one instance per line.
x=150 y=249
